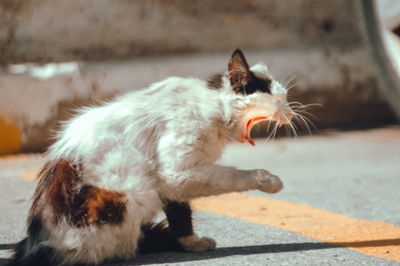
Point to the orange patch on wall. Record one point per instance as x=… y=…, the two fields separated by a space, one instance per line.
x=10 y=138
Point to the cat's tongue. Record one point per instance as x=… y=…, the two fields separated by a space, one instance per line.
x=247 y=130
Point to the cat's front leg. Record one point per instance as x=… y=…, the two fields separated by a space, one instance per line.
x=211 y=180
x=268 y=182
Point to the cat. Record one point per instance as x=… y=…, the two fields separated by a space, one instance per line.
x=113 y=167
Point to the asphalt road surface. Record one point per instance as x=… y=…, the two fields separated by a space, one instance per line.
x=340 y=205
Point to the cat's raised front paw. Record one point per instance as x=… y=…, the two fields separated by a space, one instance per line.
x=195 y=244
x=268 y=182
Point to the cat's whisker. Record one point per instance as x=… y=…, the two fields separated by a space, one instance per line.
x=290 y=86
x=310 y=122
x=294 y=125
x=269 y=136
x=303 y=124
x=287 y=76
x=304 y=106
x=302 y=112
x=287 y=131
x=306 y=121
x=269 y=124
x=273 y=132
x=287 y=80
x=296 y=104
x=291 y=126
x=294 y=128
x=284 y=80
x=300 y=109
x=276 y=130
x=278 y=122
x=287 y=106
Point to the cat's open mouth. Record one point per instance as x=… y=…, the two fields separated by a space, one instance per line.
x=249 y=126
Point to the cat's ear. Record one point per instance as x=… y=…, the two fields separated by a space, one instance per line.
x=238 y=68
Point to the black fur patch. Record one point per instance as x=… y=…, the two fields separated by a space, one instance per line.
x=41 y=256
x=164 y=236
x=242 y=79
x=35 y=228
x=179 y=216
x=397 y=30
x=31 y=250
x=253 y=84
x=158 y=238
x=215 y=82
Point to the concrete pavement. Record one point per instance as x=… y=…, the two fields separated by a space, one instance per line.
x=330 y=179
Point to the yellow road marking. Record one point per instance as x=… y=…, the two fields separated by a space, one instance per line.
x=10 y=138
x=373 y=238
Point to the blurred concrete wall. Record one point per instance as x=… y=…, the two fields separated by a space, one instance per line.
x=126 y=45
x=64 y=30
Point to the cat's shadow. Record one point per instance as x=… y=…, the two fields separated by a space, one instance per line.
x=176 y=257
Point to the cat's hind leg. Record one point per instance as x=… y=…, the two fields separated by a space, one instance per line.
x=179 y=216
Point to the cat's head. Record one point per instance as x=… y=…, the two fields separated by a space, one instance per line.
x=264 y=97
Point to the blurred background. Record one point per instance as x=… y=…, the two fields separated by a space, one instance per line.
x=56 y=56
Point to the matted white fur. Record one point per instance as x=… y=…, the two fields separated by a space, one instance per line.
x=158 y=143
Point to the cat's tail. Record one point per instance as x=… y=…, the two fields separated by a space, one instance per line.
x=32 y=250
x=158 y=238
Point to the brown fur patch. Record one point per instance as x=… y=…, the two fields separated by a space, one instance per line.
x=61 y=188
x=55 y=188
x=81 y=206
x=94 y=205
